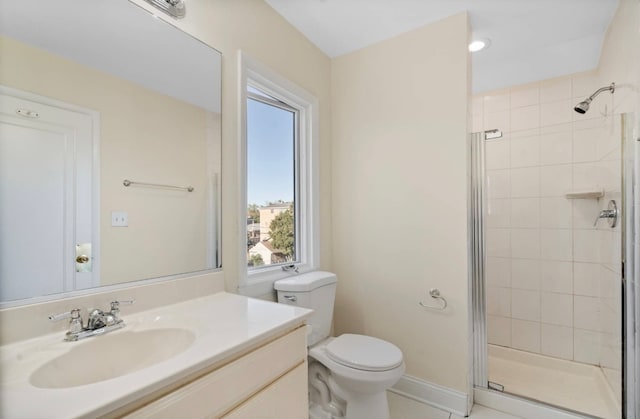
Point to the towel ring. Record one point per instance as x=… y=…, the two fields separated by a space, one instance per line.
x=435 y=294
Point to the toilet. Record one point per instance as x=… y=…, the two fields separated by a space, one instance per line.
x=348 y=374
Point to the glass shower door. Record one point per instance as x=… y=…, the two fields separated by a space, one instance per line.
x=547 y=263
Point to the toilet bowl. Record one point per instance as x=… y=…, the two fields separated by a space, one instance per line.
x=348 y=374
x=361 y=369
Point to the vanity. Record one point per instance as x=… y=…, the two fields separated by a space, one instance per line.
x=222 y=355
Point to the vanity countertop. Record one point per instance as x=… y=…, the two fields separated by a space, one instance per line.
x=224 y=326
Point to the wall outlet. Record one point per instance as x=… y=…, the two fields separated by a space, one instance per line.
x=119 y=219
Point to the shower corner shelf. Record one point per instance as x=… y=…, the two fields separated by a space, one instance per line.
x=593 y=193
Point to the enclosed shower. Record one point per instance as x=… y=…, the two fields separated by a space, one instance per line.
x=549 y=202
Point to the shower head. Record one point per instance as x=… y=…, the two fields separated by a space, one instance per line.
x=583 y=106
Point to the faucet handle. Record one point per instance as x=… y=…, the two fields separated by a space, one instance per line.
x=73 y=314
x=124 y=302
x=115 y=307
x=598 y=217
x=611 y=214
x=75 y=324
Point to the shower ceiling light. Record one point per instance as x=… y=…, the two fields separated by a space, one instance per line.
x=479 y=44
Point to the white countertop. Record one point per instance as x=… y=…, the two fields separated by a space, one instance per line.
x=224 y=324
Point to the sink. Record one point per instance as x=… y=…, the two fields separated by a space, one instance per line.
x=110 y=356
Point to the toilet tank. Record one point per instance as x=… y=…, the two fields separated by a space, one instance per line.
x=314 y=290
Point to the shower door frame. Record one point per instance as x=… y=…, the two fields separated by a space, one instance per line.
x=630 y=267
x=630 y=270
x=477 y=257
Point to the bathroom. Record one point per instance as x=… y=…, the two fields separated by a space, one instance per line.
x=365 y=98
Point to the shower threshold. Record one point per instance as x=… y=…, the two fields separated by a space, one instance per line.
x=567 y=384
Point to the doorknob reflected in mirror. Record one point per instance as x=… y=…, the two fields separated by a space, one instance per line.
x=84 y=262
x=82 y=259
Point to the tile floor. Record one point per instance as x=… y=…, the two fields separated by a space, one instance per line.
x=404 y=408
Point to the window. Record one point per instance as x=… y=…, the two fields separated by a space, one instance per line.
x=279 y=198
x=272 y=154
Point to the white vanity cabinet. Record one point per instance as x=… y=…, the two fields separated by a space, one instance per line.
x=269 y=382
x=247 y=359
x=282 y=399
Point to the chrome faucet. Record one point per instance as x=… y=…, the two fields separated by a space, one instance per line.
x=98 y=323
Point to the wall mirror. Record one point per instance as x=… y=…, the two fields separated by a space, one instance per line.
x=109 y=148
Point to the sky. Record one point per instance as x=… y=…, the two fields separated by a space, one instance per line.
x=270 y=162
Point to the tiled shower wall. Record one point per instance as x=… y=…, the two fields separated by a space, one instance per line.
x=553 y=279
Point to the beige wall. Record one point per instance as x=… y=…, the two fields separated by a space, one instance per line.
x=140 y=139
x=400 y=195
x=253 y=27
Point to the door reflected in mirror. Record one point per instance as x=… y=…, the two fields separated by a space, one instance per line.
x=94 y=93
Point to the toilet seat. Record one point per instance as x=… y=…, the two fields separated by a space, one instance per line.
x=364 y=353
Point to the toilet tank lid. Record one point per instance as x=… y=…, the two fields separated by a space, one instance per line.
x=306 y=282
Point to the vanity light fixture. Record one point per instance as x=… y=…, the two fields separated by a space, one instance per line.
x=174 y=8
x=479 y=44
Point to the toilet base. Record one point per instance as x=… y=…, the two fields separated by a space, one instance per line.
x=333 y=397
x=364 y=408
x=361 y=405
x=316 y=412
x=372 y=407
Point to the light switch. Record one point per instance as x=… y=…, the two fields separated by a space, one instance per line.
x=119 y=219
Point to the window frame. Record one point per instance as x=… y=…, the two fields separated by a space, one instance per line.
x=258 y=282
x=277 y=103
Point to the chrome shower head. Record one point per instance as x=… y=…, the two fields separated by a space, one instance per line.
x=583 y=106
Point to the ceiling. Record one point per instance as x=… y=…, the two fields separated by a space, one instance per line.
x=530 y=39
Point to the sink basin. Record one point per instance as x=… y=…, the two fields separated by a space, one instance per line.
x=110 y=356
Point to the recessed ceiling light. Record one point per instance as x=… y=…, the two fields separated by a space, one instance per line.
x=479 y=45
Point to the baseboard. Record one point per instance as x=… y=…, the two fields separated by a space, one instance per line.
x=432 y=394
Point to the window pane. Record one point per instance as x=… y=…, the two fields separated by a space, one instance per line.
x=271 y=218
